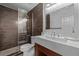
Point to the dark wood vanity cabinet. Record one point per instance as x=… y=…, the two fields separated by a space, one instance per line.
x=43 y=51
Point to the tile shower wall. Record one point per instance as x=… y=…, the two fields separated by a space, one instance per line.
x=35 y=22
x=8 y=28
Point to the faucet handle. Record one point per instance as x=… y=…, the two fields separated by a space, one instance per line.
x=54 y=33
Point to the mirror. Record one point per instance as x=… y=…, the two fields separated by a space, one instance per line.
x=63 y=18
x=60 y=16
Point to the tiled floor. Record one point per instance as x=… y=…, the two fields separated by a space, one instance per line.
x=28 y=49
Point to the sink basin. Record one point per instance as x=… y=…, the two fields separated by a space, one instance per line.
x=60 y=39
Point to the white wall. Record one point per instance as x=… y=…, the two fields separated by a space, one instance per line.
x=44 y=18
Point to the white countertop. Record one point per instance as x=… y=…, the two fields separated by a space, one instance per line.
x=64 y=48
x=69 y=43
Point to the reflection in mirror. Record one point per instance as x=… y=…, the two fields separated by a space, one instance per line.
x=48 y=21
x=63 y=19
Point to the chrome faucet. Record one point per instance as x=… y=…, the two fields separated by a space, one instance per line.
x=54 y=33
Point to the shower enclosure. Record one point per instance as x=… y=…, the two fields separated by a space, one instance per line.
x=9 y=32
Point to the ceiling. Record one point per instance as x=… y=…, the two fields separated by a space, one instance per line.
x=25 y=6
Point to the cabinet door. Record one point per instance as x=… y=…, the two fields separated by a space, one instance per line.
x=43 y=51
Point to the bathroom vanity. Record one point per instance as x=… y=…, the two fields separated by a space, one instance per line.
x=52 y=47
